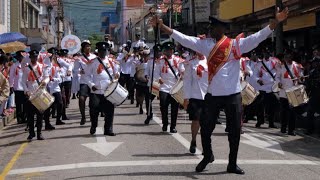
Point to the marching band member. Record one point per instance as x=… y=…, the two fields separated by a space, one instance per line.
x=54 y=73
x=75 y=87
x=266 y=73
x=148 y=73
x=126 y=62
x=66 y=83
x=223 y=56
x=313 y=87
x=98 y=80
x=32 y=78
x=80 y=65
x=288 y=70
x=15 y=81
x=195 y=85
x=168 y=70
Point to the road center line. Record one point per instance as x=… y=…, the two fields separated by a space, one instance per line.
x=155 y=163
x=13 y=161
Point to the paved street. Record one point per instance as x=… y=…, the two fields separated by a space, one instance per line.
x=144 y=152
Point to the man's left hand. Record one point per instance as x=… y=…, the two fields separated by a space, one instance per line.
x=283 y=15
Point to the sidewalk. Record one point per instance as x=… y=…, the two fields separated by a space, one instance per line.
x=5 y=120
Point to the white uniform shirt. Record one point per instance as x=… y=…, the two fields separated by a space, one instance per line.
x=263 y=75
x=29 y=82
x=65 y=67
x=114 y=66
x=195 y=79
x=135 y=63
x=97 y=76
x=15 y=77
x=126 y=63
x=164 y=72
x=82 y=63
x=55 y=78
x=285 y=78
x=252 y=79
x=148 y=71
x=227 y=80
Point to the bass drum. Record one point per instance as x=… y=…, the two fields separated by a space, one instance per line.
x=139 y=76
x=116 y=94
x=177 y=92
x=248 y=93
x=41 y=99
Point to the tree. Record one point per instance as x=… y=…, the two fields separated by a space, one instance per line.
x=95 y=38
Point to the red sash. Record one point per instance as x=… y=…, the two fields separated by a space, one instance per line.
x=219 y=56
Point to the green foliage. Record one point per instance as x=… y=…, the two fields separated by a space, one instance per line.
x=94 y=38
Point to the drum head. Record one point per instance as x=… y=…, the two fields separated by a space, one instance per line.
x=111 y=88
x=176 y=88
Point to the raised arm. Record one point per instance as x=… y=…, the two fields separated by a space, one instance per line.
x=249 y=43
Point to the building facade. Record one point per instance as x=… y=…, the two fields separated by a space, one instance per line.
x=4 y=16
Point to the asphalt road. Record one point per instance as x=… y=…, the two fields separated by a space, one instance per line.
x=144 y=152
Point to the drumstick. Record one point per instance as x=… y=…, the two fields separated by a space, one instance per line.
x=300 y=77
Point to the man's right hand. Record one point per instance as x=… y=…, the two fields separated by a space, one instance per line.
x=94 y=88
x=260 y=82
x=155 y=20
x=160 y=81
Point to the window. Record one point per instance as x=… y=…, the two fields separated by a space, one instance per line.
x=36 y=19
x=23 y=11
x=30 y=17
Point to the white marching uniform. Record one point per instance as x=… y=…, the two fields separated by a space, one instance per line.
x=285 y=79
x=252 y=79
x=29 y=81
x=218 y=85
x=81 y=64
x=195 y=79
x=262 y=74
x=244 y=67
x=164 y=72
x=15 y=77
x=55 y=78
x=148 y=71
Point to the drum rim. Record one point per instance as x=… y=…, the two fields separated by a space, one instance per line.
x=113 y=89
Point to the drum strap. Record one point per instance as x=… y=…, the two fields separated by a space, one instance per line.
x=287 y=68
x=105 y=68
x=268 y=70
x=34 y=73
x=171 y=68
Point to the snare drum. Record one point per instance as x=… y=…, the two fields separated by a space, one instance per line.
x=155 y=88
x=297 y=95
x=248 y=93
x=177 y=92
x=116 y=94
x=41 y=99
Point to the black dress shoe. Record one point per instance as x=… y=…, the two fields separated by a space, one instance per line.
x=193 y=147
x=226 y=130
x=83 y=121
x=147 y=121
x=164 y=128
x=40 y=137
x=273 y=126
x=92 y=130
x=54 y=116
x=60 y=123
x=235 y=170
x=109 y=133
x=30 y=137
x=65 y=118
x=173 y=130
x=102 y=115
x=202 y=165
x=137 y=105
x=292 y=133
x=132 y=101
x=49 y=127
x=67 y=106
x=258 y=125
x=218 y=122
x=283 y=131
x=141 y=111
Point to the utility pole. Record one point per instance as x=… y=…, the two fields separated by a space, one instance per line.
x=193 y=8
x=279 y=30
x=60 y=20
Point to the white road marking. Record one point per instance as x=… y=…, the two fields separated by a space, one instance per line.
x=102 y=146
x=179 y=138
x=155 y=163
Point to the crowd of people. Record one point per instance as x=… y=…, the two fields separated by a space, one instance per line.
x=214 y=72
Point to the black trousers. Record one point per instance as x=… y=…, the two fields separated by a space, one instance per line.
x=313 y=107
x=20 y=100
x=232 y=106
x=270 y=105
x=57 y=104
x=98 y=103
x=147 y=99
x=128 y=82
x=288 y=116
x=31 y=111
x=67 y=91
x=64 y=100
x=165 y=100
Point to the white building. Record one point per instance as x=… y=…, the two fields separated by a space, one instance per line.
x=4 y=16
